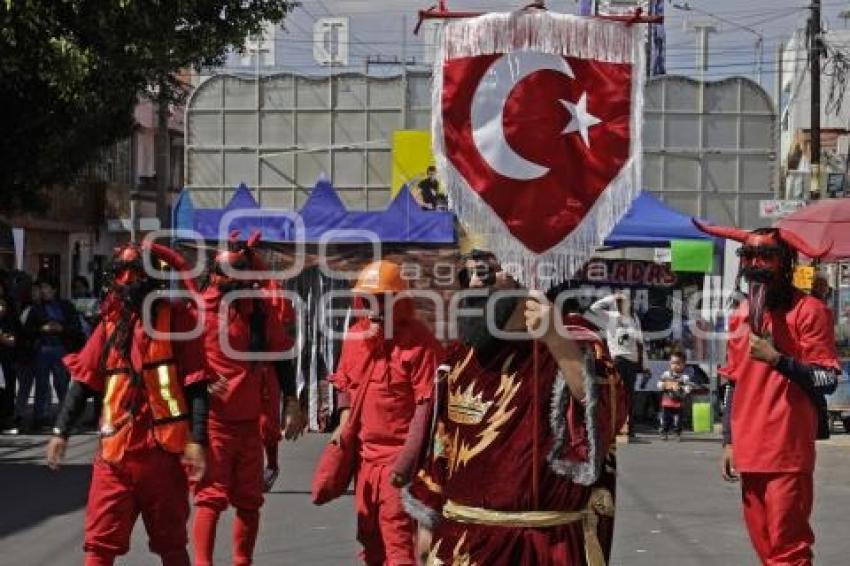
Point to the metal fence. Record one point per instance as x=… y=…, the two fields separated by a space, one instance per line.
x=709 y=149
x=280 y=133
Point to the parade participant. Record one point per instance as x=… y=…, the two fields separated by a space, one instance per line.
x=236 y=327
x=390 y=358
x=507 y=478
x=625 y=342
x=781 y=360
x=154 y=410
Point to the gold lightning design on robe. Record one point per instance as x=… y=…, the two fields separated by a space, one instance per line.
x=458 y=558
x=462 y=453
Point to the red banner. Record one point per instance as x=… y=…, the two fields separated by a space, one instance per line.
x=538 y=131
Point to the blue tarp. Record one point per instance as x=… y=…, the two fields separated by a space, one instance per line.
x=650 y=223
x=402 y=222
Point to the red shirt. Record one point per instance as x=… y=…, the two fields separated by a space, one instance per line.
x=86 y=366
x=774 y=423
x=400 y=373
x=667 y=398
x=242 y=400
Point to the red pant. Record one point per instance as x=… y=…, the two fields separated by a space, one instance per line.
x=234 y=467
x=384 y=529
x=151 y=482
x=235 y=476
x=777 y=507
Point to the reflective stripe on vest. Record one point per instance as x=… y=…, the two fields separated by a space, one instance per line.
x=165 y=389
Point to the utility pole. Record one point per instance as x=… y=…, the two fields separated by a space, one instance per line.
x=814 y=70
x=702 y=30
x=404 y=71
x=162 y=161
x=779 y=190
x=759 y=47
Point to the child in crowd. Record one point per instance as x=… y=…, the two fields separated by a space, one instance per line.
x=674 y=386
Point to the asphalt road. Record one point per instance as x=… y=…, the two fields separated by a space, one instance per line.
x=673 y=509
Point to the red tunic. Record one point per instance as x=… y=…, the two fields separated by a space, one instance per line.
x=85 y=366
x=400 y=372
x=774 y=423
x=482 y=447
x=242 y=400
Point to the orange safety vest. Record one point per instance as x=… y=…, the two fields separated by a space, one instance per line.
x=159 y=386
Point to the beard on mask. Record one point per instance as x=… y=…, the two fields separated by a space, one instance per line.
x=474 y=330
x=768 y=289
x=758 y=274
x=133 y=294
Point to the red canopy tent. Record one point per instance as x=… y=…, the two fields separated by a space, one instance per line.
x=823 y=222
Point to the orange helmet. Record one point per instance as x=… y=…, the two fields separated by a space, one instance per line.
x=381 y=276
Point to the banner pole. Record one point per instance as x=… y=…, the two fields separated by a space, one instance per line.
x=535 y=407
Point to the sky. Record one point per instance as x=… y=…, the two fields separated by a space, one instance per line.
x=377 y=28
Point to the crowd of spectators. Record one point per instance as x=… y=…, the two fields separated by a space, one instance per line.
x=37 y=329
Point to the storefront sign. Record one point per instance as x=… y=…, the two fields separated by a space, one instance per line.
x=779 y=208
x=627 y=273
x=804 y=277
x=844 y=275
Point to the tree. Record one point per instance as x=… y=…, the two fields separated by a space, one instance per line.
x=72 y=71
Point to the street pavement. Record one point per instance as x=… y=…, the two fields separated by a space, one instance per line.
x=672 y=508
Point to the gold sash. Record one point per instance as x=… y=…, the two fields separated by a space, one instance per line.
x=599 y=504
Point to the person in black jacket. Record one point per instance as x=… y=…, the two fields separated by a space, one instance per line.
x=8 y=375
x=54 y=327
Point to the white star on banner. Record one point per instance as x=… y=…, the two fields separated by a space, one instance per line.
x=580 y=119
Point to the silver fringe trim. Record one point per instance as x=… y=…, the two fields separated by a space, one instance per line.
x=541 y=30
x=551 y=33
x=421 y=513
x=582 y=473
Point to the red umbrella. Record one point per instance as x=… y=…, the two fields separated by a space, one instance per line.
x=823 y=222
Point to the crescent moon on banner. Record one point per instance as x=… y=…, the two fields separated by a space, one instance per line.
x=488 y=105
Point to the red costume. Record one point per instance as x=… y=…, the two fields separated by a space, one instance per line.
x=145 y=425
x=473 y=489
x=774 y=416
x=398 y=373
x=235 y=459
x=774 y=426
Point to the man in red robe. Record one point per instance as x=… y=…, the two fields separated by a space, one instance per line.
x=388 y=358
x=154 y=414
x=516 y=468
x=236 y=327
x=781 y=361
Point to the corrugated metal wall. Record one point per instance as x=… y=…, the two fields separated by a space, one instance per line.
x=715 y=159
x=280 y=135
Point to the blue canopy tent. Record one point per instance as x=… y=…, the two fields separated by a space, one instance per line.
x=402 y=222
x=650 y=223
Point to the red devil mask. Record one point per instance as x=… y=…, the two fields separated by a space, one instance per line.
x=755 y=240
x=234 y=259
x=127 y=265
x=767 y=259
